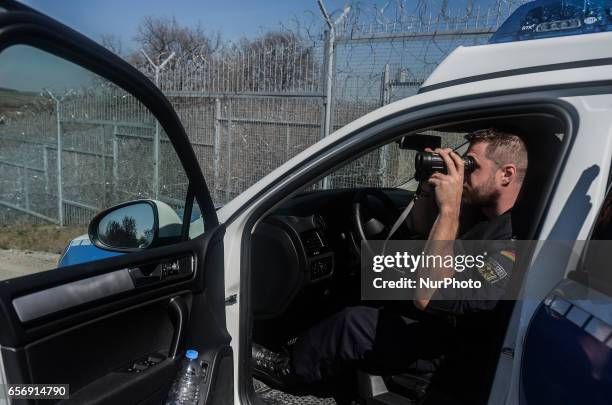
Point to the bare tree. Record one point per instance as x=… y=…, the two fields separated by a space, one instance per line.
x=113 y=43
x=160 y=36
x=280 y=61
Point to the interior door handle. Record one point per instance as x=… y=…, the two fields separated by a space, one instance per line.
x=178 y=315
x=168 y=270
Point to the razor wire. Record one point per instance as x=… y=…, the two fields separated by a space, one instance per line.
x=246 y=112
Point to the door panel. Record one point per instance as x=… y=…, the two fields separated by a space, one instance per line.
x=567 y=357
x=100 y=349
x=11 y=291
x=94 y=346
x=115 y=329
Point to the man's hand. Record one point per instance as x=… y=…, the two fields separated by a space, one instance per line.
x=448 y=190
x=449 y=187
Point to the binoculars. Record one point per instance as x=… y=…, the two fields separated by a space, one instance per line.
x=427 y=163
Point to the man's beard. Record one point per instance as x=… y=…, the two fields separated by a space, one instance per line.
x=483 y=196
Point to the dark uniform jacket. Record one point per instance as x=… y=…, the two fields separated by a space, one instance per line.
x=495 y=237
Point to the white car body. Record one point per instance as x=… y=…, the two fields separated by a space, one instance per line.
x=490 y=69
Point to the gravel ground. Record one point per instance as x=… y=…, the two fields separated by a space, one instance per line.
x=15 y=263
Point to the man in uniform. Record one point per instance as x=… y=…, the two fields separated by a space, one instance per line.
x=377 y=339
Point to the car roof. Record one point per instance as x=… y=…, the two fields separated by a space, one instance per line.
x=473 y=63
x=84 y=237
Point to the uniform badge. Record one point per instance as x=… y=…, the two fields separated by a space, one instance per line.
x=487 y=272
x=492 y=271
x=498 y=269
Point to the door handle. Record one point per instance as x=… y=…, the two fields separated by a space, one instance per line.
x=168 y=270
x=178 y=316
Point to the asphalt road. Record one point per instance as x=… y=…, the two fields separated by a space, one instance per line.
x=15 y=263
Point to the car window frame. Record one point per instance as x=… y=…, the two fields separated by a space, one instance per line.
x=367 y=138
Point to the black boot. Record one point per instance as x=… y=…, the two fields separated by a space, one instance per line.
x=273 y=369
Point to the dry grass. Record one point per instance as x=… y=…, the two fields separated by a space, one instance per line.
x=41 y=238
x=13 y=100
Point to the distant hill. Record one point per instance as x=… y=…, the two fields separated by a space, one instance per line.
x=12 y=100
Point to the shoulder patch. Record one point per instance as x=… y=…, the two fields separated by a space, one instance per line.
x=487 y=272
x=498 y=269
x=492 y=271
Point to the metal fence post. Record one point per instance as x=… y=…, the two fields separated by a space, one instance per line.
x=383 y=153
x=229 y=151
x=332 y=92
x=156 y=161
x=287 y=142
x=385 y=96
x=216 y=147
x=498 y=14
x=329 y=77
x=26 y=187
x=46 y=167
x=156 y=142
x=60 y=200
x=103 y=155
x=324 y=80
x=329 y=57
x=115 y=163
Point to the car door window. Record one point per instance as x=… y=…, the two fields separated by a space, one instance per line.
x=111 y=150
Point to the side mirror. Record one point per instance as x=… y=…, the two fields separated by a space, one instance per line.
x=135 y=226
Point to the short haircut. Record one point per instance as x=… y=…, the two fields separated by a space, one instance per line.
x=503 y=148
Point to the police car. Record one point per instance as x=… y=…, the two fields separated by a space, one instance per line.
x=82 y=250
x=553 y=18
x=283 y=254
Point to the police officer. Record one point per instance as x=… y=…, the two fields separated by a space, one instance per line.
x=380 y=340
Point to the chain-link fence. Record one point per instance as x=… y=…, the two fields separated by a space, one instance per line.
x=246 y=112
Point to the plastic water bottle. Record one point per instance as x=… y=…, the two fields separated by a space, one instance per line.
x=185 y=389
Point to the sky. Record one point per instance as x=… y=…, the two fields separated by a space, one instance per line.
x=233 y=18
x=28 y=69
x=94 y=18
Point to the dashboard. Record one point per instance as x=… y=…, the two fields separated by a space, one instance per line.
x=307 y=250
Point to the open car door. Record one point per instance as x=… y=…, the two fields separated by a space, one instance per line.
x=567 y=355
x=114 y=330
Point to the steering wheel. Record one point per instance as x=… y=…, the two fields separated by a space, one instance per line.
x=373 y=215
